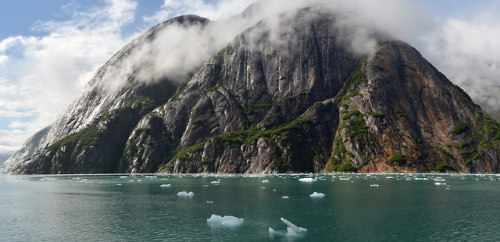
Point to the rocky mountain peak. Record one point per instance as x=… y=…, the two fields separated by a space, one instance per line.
x=285 y=95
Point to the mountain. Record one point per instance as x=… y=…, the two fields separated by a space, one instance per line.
x=291 y=96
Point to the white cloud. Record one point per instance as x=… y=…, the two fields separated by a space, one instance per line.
x=211 y=10
x=50 y=69
x=3 y=59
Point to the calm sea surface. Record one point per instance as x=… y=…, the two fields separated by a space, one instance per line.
x=137 y=208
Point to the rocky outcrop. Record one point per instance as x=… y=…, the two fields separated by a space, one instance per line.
x=305 y=103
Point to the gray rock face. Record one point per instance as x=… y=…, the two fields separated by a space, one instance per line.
x=97 y=100
x=292 y=100
x=28 y=149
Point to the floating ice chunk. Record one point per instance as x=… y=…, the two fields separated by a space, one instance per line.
x=265 y=181
x=130 y=180
x=48 y=179
x=389 y=177
x=317 y=195
x=293 y=226
x=139 y=180
x=440 y=183
x=421 y=179
x=307 y=179
x=185 y=194
x=285 y=197
x=274 y=190
x=205 y=185
x=215 y=182
x=123 y=177
x=374 y=185
x=344 y=178
x=151 y=177
x=439 y=179
x=224 y=221
x=119 y=184
x=210 y=202
x=291 y=231
x=165 y=185
x=262 y=188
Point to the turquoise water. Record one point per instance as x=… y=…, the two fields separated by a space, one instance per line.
x=401 y=208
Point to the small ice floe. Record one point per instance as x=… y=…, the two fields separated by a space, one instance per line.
x=119 y=184
x=440 y=183
x=224 y=221
x=76 y=178
x=48 y=179
x=265 y=181
x=165 y=185
x=139 y=180
x=274 y=190
x=439 y=179
x=448 y=187
x=210 y=202
x=374 y=185
x=389 y=177
x=344 y=178
x=205 y=185
x=317 y=195
x=291 y=231
x=83 y=180
x=262 y=188
x=130 y=180
x=215 y=182
x=307 y=179
x=123 y=177
x=421 y=179
x=185 y=194
x=151 y=177
x=285 y=197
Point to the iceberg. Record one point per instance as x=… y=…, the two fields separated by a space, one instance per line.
x=317 y=195
x=307 y=179
x=285 y=197
x=224 y=221
x=440 y=184
x=185 y=194
x=165 y=185
x=291 y=231
x=265 y=181
x=374 y=185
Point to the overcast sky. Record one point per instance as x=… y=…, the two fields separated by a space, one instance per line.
x=50 y=49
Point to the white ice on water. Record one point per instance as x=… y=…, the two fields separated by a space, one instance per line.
x=215 y=182
x=307 y=179
x=265 y=181
x=165 y=185
x=374 y=185
x=440 y=183
x=224 y=221
x=185 y=194
x=285 y=197
x=317 y=195
x=291 y=231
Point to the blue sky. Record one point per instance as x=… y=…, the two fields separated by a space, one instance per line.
x=49 y=49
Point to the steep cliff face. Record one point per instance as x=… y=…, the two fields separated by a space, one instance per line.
x=99 y=102
x=286 y=99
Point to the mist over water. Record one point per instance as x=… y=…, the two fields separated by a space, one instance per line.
x=385 y=207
